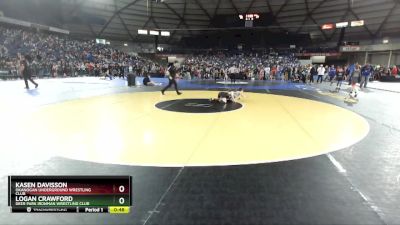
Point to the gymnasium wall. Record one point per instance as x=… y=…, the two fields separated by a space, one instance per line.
x=373 y=57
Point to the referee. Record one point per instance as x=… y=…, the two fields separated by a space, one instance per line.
x=27 y=72
x=172 y=79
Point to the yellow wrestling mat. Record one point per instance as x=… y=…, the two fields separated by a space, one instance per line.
x=128 y=129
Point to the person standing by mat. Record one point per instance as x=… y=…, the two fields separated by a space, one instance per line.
x=354 y=80
x=232 y=73
x=172 y=79
x=26 y=71
x=321 y=72
x=366 y=72
x=331 y=73
x=339 y=77
x=312 y=73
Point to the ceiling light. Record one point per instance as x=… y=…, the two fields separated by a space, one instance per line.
x=342 y=24
x=357 y=23
x=165 y=33
x=142 y=32
x=327 y=26
x=154 y=32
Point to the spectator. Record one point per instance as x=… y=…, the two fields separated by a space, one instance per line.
x=394 y=70
x=339 y=77
x=312 y=73
x=147 y=81
x=354 y=79
x=366 y=72
x=321 y=72
x=349 y=72
x=331 y=73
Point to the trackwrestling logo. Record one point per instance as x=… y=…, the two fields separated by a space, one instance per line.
x=197 y=105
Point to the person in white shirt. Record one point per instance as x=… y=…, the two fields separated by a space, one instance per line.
x=130 y=70
x=251 y=75
x=267 y=70
x=225 y=71
x=321 y=72
x=231 y=70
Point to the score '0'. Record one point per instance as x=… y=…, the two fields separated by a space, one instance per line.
x=121 y=189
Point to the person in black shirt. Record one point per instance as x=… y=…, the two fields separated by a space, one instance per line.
x=27 y=72
x=313 y=72
x=121 y=71
x=147 y=81
x=339 y=77
x=172 y=81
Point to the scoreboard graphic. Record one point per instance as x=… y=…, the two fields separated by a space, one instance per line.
x=69 y=194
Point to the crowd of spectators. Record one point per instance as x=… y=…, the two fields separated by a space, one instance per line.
x=260 y=66
x=283 y=67
x=271 y=65
x=58 y=55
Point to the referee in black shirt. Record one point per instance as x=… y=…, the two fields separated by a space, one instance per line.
x=172 y=77
x=27 y=71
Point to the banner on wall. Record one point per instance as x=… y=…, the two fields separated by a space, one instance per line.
x=318 y=54
x=350 y=48
x=304 y=62
x=318 y=59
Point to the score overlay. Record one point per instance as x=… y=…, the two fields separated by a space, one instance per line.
x=69 y=194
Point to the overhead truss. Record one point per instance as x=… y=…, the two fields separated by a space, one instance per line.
x=185 y=26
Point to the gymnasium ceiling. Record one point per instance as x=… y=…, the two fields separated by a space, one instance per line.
x=120 y=19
